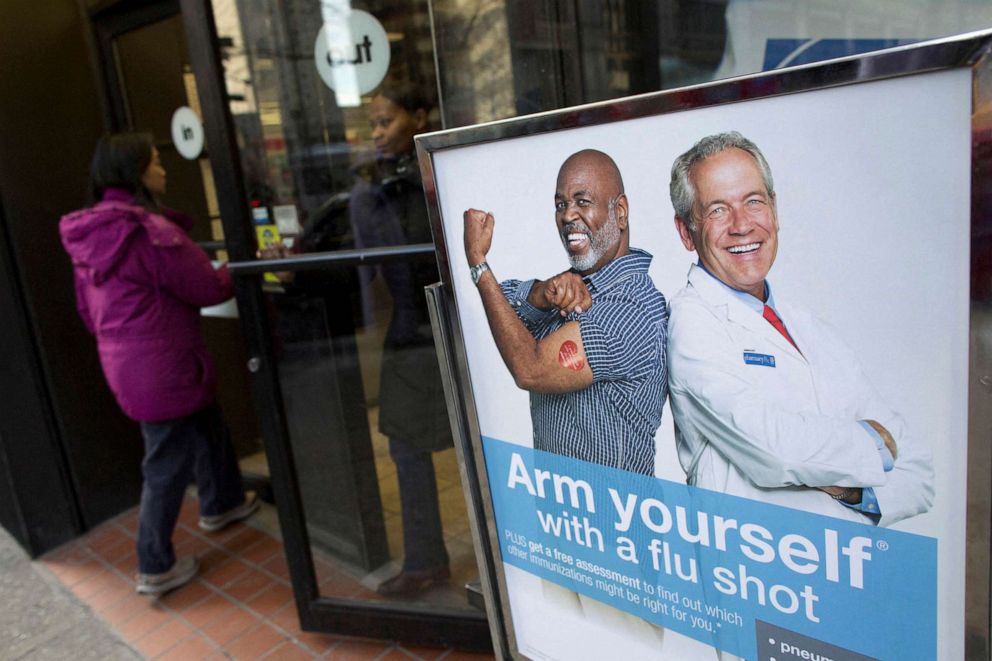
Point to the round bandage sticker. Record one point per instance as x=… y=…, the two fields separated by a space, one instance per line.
x=568 y=356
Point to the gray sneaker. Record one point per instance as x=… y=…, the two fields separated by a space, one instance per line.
x=242 y=511
x=182 y=572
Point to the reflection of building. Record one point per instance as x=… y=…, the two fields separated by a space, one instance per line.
x=68 y=460
x=593 y=51
x=307 y=139
x=769 y=34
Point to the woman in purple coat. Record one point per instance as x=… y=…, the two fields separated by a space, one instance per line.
x=140 y=284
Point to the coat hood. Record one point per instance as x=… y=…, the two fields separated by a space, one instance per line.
x=98 y=238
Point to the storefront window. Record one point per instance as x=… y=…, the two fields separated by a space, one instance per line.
x=329 y=168
x=499 y=59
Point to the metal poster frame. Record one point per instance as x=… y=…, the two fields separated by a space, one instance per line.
x=969 y=51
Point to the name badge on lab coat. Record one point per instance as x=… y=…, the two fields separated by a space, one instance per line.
x=764 y=359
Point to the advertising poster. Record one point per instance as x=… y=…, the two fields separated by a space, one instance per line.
x=607 y=552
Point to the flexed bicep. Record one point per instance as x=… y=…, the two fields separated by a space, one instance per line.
x=560 y=364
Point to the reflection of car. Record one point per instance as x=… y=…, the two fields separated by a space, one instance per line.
x=310 y=174
x=328 y=227
x=322 y=169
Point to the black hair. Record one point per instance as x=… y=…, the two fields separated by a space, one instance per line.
x=119 y=161
x=407 y=95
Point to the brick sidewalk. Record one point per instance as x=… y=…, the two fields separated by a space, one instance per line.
x=240 y=605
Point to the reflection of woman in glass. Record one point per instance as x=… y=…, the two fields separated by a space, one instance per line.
x=387 y=208
x=140 y=284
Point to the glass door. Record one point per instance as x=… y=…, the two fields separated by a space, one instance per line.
x=317 y=170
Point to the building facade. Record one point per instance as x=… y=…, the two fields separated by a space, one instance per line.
x=321 y=371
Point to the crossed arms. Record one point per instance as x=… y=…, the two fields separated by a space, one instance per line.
x=771 y=444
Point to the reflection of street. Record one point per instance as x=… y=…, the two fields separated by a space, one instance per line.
x=325 y=417
x=454 y=519
x=330 y=370
x=330 y=382
x=340 y=579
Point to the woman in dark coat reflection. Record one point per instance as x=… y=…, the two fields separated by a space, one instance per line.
x=387 y=208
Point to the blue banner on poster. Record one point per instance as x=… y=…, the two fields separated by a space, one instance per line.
x=714 y=567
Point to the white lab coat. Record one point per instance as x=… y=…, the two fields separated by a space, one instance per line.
x=771 y=433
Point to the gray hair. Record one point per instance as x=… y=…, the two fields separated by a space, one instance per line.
x=680 y=188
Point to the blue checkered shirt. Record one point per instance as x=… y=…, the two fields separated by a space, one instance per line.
x=613 y=421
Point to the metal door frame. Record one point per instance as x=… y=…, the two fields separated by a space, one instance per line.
x=109 y=21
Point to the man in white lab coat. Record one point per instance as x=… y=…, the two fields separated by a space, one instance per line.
x=768 y=402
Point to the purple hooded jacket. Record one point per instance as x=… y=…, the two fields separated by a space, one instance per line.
x=140 y=284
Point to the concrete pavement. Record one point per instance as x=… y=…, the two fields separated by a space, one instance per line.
x=42 y=619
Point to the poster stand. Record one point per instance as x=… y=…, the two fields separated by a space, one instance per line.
x=956 y=614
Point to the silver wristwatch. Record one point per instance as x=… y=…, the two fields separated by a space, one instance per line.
x=477 y=271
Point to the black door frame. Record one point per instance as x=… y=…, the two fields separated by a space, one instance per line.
x=39 y=493
x=110 y=20
x=416 y=625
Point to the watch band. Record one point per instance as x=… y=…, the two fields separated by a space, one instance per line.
x=845 y=494
x=477 y=271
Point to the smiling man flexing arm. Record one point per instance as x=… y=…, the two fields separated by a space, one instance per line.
x=593 y=362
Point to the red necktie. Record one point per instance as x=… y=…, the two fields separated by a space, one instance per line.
x=773 y=319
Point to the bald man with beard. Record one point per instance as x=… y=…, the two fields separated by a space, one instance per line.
x=589 y=343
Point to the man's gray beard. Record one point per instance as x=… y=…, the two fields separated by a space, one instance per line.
x=599 y=243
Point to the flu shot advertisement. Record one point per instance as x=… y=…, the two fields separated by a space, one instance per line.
x=718 y=359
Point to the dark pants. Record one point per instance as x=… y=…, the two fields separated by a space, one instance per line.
x=423 y=541
x=197 y=445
